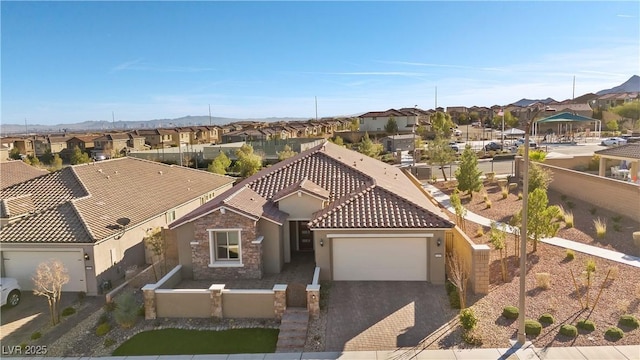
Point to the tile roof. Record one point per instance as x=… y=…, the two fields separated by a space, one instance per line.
x=100 y=193
x=15 y=172
x=386 y=113
x=16 y=206
x=630 y=151
x=359 y=187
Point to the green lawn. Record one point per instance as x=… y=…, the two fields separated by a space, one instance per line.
x=181 y=342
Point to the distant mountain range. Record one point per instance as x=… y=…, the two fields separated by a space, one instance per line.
x=631 y=85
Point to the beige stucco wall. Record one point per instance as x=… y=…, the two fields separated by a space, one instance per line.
x=184 y=235
x=184 y=304
x=300 y=206
x=272 y=252
x=435 y=253
x=248 y=304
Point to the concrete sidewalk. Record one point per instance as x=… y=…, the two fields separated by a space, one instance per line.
x=622 y=258
x=623 y=352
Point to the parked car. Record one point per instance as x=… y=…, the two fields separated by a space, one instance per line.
x=493 y=146
x=11 y=292
x=613 y=141
x=476 y=124
x=454 y=146
x=456 y=132
x=532 y=144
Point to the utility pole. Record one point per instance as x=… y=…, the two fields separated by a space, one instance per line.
x=316 y=107
x=209 y=114
x=113 y=120
x=26 y=129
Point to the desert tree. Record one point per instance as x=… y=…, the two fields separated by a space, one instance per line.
x=368 y=147
x=46 y=157
x=497 y=238
x=56 y=163
x=247 y=163
x=509 y=120
x=539 y=178
x=541 y=218
x=458 y=275
x=467 y=173
x=79 y=157
x=48 y=280
x=286 y=153
x=460 y=210
x=440 y=153
x=220 y=164
x=338 y=141
x=391 y=127
x=629 y=110
x=441 y=123
x=154 y=241
x=612 y=125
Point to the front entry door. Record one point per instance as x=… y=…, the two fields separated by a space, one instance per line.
x=305 y=238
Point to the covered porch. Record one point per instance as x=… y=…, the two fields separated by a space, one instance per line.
x=566 y=127
x=623 y=162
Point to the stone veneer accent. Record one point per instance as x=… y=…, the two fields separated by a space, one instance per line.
x=480 y=271
x=251 y=253
x=279 y=300
x=216 y=300
x=313 y=301
x=149 y=295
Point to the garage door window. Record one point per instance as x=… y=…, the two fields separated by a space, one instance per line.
x=225 y=247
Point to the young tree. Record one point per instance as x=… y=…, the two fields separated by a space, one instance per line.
x=368 y=147
x=467 y=173
x=612 y=125
x=441 y=123
x=541 y=218
x=458 y=275
x=497 y=239
x=392 y=126
x=220 y=164
x=247 y=162
x=509 y=120
x=354 y=125
x=154 y=241
x=338 y=141
x=34 y=160
x=79 y=157
x=15 y=154
x=47 y=157
x=48 y=280
x=460 y=210
x=539 y=178
x=56 y=163
x=440 y=153
x=286 y=153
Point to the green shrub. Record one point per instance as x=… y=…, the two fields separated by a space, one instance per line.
x=468 y=319
x=570 y=254
x=68 y=311
x=110 y=306
x=614 y=333
x=629 y=321
x=569 y=330
x=586 y=325
x=546 y=319
x=103 y=318
x=532 y=327
x=36 y=335
x=126 y=311
x=102 y=329
x=510 y=312
x=108 y=342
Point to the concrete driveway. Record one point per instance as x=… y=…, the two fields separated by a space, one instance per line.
x=385 y=315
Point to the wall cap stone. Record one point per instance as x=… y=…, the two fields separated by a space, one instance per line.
x=218 y=287
x=280 y=287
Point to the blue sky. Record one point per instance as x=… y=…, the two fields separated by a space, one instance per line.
x=65 y=62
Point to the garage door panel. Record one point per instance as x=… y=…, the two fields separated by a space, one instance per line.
x=380 y=259
x=22 y=266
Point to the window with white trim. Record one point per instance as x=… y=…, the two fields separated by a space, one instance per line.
x=170 y=216
x=225 y=247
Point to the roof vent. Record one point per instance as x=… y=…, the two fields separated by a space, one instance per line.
x=108 y=176
x=116 y=172
x=100 y=171
x=160 y=172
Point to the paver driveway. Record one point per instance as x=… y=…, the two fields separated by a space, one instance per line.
x=384 y=315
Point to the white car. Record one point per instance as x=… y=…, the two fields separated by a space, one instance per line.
x=11 y=292
x=456 y=132
x=613 y=141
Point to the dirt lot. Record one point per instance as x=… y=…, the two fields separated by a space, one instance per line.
x=620 y=292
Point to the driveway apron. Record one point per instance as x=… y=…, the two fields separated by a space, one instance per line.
x=385 y=315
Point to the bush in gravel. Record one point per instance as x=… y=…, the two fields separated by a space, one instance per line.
x=36 y=335
x=480 y=232
x=569 y=330
x=68 y=311
x=570 y=254
x=629 y=321
x=532 y=327
x=472 y=337
x=601 y=227
x=468 y=319
x=546 y=319
x=108 y=342
x=504 y=190
x=568 y=219
x=510 y=312
x=102 y=329
x=126 y=311
x=543 y=280
x=614 y=333
x=586 y=325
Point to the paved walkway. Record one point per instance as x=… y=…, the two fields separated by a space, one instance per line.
x=622 y=258
x=623 y=352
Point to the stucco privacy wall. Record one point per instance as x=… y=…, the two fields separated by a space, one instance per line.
x=435 y=253
x=251 y=267
x=618 y=196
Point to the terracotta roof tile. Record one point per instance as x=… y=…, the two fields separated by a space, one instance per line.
x=347 y=177
x=631 y=151
x=16 y=206
x=15 y=172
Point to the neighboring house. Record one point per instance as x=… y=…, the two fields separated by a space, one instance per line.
x=93 y=217
x=363 y=219
x=56 y=143
x=84 y=143
x=25 y=146
x=244 y=135
x=16 y=171
x=111 y=144
x=399 y=142
x=135 y=142
x=182 y=136
x=578 y=109
x=207 y=135
x=376 y=121
x=611 y=100
x=156 y=138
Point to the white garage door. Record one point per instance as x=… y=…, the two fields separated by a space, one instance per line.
x=22 y=266
x=380 y=259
